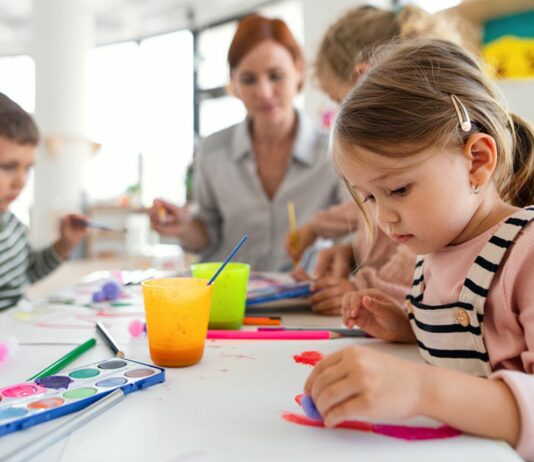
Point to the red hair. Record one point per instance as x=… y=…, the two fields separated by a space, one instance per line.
x=253 y=30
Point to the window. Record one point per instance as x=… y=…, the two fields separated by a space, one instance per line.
x=217 y=109
x=141 y=105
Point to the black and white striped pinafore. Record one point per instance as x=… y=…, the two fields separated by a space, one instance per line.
x=452 y=335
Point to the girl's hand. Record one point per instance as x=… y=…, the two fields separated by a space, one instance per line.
x=377 y=314
x=168 y=219
x=299 y=274
x=328 y=294
x=336 y=261
x=306 y=238
x=72 y=230
x=359 y=382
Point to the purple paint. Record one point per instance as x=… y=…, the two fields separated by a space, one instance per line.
x=54 y=381
x=309 y=408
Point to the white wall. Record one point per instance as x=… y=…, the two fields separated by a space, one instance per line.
x=519 y=95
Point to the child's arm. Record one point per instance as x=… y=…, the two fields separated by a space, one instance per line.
x=334 y=222
x=72 y=230
x=377 y=314
x=328 y=294
x=359 y=382
x=43 y=262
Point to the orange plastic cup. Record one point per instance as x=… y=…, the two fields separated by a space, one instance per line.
x=177 y=314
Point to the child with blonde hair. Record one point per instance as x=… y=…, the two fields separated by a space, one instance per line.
x=341 y=59
x=432 y=157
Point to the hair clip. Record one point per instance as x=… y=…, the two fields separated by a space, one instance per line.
x=461 y=111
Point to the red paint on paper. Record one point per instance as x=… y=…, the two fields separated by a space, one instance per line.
x=310 y=358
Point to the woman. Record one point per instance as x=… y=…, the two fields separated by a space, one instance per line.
x=246 y=174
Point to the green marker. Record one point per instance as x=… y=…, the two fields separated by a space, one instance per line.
x=120 y=304
x=64 y=360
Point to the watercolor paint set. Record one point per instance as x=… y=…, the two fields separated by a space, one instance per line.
x=30 y=403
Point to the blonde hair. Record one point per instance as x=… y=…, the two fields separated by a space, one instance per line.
x=352 y=38
x=403 y=106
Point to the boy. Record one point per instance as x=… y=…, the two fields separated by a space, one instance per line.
x=19 y=264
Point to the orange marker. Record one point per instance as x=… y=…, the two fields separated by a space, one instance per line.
x=252 y=321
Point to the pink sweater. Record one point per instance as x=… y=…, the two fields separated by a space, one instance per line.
x=508 y=316
x=387 y=266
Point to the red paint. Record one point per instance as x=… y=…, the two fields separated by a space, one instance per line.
x=402 y=432
x=310 y=358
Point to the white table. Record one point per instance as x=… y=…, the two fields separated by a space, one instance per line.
x=228 y=407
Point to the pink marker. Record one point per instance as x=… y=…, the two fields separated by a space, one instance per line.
x=269 y=335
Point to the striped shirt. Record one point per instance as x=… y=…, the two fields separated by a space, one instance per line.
x=508 y=314
x=19 y=264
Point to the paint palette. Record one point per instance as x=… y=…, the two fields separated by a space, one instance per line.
x=30 y=403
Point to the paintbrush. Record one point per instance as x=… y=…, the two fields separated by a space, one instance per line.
x=293 y=230
x=108 y=339
x=99 y=226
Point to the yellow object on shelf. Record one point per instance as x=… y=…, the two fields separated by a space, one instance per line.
x=510 y=57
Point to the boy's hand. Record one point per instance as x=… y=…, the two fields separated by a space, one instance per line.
x=72 y=230
x=377 y=314
x=360 y=382
x=328 y=295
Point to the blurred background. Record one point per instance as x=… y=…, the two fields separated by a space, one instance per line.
x=123 y=89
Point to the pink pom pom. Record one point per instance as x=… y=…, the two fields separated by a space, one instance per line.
x=8 y=347
x=4 y=351
x=136 y=328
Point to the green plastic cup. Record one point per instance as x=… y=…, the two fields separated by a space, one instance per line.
x=229 y=293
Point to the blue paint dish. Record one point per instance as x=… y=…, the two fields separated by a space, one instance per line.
x=308 y=406
x=11 y=412
x=112 y=382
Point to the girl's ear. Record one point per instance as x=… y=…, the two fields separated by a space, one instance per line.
x=480 y=149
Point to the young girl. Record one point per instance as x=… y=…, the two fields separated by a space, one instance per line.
x=386 y=266
x=433 y=156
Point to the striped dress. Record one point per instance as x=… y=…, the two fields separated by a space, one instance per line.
x=19 y=264
x=452 y=335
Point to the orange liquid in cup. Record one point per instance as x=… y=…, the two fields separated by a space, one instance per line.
x=177 y=313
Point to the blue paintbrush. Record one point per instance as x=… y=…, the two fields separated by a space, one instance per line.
x=228 y=258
